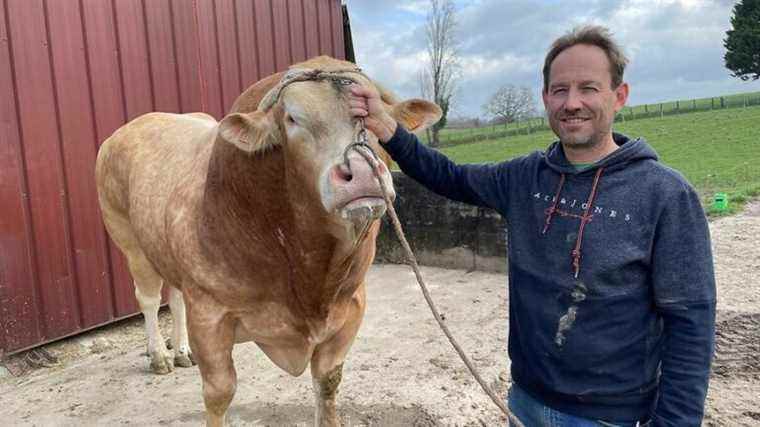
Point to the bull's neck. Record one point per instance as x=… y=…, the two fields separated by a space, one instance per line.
x=251 y=215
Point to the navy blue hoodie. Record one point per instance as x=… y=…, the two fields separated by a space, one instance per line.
x=611 y=284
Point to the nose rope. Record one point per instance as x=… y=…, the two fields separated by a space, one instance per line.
x=360 y=142
x=366 y=151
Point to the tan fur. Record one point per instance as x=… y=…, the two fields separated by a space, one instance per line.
x=243 y=233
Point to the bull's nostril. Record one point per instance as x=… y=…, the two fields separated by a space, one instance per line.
x=343 y=173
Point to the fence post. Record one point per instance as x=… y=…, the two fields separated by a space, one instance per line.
x=745 y=101
x=661 y=113
x=694 y=104
x=712 y=103
x=678 y=106
x=722 y=102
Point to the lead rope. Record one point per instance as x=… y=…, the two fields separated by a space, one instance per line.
x=371 y=157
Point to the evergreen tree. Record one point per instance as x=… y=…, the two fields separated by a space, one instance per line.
x=743 y=41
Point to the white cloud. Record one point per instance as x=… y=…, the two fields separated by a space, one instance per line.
x=675 y=46
x=418 y=7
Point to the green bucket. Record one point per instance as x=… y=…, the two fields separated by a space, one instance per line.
x=720 y=202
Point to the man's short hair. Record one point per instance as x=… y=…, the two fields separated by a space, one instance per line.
x=594 y=35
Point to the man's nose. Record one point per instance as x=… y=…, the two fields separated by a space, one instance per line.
x=573 y=100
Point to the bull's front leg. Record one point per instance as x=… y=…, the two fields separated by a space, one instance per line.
x=325 y=391
x=327 y=363
x=211 y=340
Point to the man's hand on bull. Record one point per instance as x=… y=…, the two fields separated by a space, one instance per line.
x=364 y=102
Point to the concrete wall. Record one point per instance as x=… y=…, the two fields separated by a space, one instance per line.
x=441 y=232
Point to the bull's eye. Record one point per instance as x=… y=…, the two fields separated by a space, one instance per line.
x=290 y=119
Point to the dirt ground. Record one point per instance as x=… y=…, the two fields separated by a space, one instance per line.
x=401 y=370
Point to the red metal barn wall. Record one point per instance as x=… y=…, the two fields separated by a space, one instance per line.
x=71 y=72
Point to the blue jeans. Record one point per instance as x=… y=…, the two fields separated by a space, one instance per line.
x=533 y=413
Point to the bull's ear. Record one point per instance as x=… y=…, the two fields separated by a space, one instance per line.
x=416 y=114
x=249 y=132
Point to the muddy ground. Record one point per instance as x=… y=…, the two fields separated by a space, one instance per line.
x=401 y=370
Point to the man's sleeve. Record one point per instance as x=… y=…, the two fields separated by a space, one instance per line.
x=481 y=185
x=684 y=291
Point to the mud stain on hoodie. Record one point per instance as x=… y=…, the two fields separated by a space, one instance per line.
x=568 y=319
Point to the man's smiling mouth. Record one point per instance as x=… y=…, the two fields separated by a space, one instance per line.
x=574 y=120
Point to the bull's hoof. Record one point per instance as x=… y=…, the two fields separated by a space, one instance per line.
x=329 y=422
x=184 y=360
x=161 y=364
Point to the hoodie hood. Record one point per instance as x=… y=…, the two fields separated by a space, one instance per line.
x=630 y=150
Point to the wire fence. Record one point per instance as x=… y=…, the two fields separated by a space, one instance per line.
x=456 y=136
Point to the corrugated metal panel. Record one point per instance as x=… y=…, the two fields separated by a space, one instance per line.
x=71 y=72
x=19 y=313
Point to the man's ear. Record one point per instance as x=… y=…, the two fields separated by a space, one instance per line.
x=249 y=132
x=621 y=96
x=545 y=98
x=416 y=114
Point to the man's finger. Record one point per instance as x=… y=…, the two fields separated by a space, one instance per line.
x=362 y=91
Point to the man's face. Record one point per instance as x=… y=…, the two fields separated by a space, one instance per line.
x=580 y=100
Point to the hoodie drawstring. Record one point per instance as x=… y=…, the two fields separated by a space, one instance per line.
x=585 y=218
x=552 y=210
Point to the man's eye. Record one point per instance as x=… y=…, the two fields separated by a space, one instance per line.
x=559 y=91
x=589 y=89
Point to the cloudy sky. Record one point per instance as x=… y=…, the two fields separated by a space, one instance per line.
x=675 y=46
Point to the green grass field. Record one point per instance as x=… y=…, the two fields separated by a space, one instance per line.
x=450 y=136
x=689 y=105
x=717 y=151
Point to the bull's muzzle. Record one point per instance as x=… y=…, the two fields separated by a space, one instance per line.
x=358 y=195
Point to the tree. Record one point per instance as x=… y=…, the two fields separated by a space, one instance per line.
x=438 y=78
x=742 y=43
x=510 y=104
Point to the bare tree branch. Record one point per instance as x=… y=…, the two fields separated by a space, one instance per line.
x=438 y=79
x=510 y=104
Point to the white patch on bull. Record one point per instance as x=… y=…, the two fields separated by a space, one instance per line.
x=178 y=216
x=280 y=236
x=568 y=319
x=326 y=193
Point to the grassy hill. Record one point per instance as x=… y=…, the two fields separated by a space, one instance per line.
x=692 y=105
x=717 y=151
x=452 y=136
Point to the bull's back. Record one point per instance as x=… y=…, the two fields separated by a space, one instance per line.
x=151 y=149
x=142 y=162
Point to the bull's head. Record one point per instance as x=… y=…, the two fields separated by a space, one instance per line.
x=309 y=122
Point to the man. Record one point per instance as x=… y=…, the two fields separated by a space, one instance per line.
x=611 y=284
